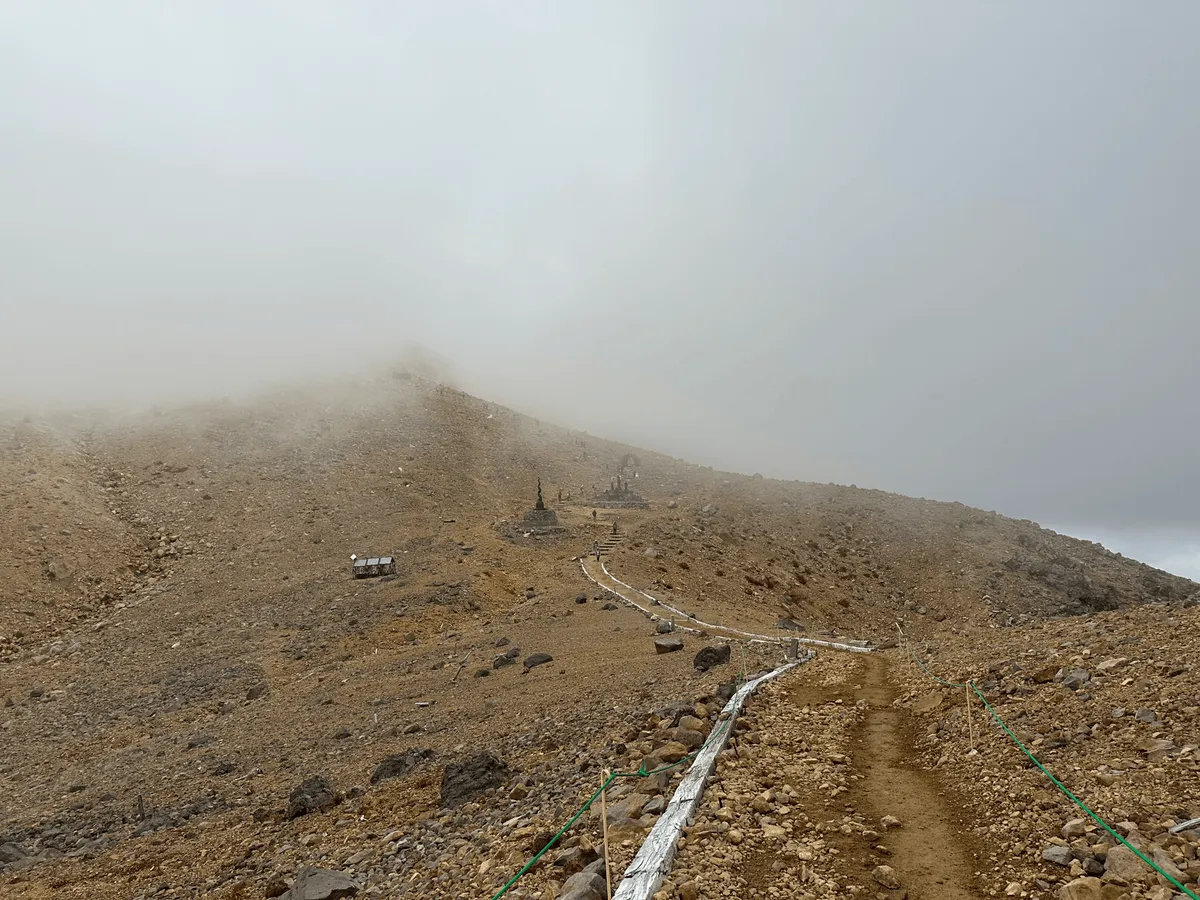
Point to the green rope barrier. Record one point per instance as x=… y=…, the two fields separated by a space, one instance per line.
x=1058 y=784
x=926 y=670
x=1095 y=818
x=575 y=818
x=613 y=776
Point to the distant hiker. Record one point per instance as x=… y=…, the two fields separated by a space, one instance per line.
x=614 y=526
x=596 y=549
x=560 y=495
x=593 y=515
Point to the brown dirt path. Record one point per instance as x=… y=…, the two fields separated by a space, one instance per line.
x=931 y=852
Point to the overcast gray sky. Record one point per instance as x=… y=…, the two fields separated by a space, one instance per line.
x=943 y=248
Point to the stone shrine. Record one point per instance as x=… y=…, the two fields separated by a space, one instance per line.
x=541 y=518
x=619 y=496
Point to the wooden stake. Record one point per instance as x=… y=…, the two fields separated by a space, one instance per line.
x=461 y=666
x=604 y=826
x=970 y=726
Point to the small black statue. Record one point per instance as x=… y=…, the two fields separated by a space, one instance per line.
x=540 y=504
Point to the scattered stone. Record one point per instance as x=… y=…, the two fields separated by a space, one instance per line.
x=1146 y=716
x=313 y=794
x=503 y=660
x=537 y=659
x=887 y=823
x=581 y=599
x=667 y=645
x=464 y=780
x=664 y=627
x=710 y=657
x=276 y=887
x=400 y=764
x=789 y=624
x=609 y=606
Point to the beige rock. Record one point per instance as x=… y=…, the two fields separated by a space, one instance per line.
x=1168 y=865
x=1082 y=889
x=887 y=877
x=1075 y=828
x=1122 y=865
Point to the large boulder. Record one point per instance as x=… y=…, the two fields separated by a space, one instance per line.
x=463 y=780
x=1058 y=854
x=1081 y=889
x=11 y=853
x=667 y=645
x=321 y=884
x=584 y=886
x=313 y=794
x=1122 y=864
x=709 y=657
x=399 y=764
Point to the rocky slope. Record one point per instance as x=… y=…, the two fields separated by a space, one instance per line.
x=182 y=647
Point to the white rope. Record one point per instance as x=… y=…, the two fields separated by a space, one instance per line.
x=754 y=638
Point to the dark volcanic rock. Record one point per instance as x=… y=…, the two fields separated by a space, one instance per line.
x=711 y=656
x=667 y=645
x=464 y=780
x=538 y=659
x=313 y=794
x=10 y=853
x=259 y=690
x=321 y=884
x=400 y=764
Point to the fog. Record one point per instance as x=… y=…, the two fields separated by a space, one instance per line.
x=941 y=248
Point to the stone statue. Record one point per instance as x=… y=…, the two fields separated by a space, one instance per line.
x=540 y=503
